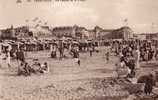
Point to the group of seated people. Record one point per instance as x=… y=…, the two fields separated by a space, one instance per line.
x=26 y=69
x=127 y=65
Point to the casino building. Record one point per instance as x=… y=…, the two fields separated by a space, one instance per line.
x=70 y=31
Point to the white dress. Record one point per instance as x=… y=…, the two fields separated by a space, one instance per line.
x=121 y=69
x=45 y=70
x=8 y=58
x=0 y=60
x=137 y=59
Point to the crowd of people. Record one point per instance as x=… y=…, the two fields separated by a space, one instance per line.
x=130 y=52
x=17 y=50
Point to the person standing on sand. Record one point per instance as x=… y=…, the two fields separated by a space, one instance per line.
x=61 y=49
x=107 y=56
x=147 y=56
x=0 y=47
x=0 y=54
x=75 y=53
x=0 y=60
x=20 y=56
x=137 y=58
x=8 y=58
x=91 y=51
x=53 y=51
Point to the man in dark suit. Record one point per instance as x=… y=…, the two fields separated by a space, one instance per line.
x=20 y=55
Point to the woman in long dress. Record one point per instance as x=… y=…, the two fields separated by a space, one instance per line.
x=0 y=59
x=8 y=59
x=137 y=58
x=121 y=68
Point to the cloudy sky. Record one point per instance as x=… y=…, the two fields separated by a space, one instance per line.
x=142 y=15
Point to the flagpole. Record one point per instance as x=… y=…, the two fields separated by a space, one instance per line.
x=125 y=24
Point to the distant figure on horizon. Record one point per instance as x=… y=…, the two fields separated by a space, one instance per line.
x=90 y=51
x=53 y=51
x=107 y=56
x=8 y=57
x=61 y=49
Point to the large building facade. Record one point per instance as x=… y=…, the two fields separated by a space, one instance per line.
x=70 y=31
x=75 y=31
x=8 y=33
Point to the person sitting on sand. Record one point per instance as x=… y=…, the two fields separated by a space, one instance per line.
x=44 y=68
x=24 y=69
x=27 y=69
x=130 y=63
x=149 y=83
x=120 y=66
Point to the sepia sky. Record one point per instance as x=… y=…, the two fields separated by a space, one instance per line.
x=142 y=15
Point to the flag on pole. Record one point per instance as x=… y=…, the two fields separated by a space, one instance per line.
x=126 y=20
x=45 y=23
x=18 y=1
x=26 y=20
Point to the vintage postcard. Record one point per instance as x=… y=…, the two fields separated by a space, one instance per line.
x=78 y=50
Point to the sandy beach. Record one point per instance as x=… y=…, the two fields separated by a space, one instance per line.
x=93 y=80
